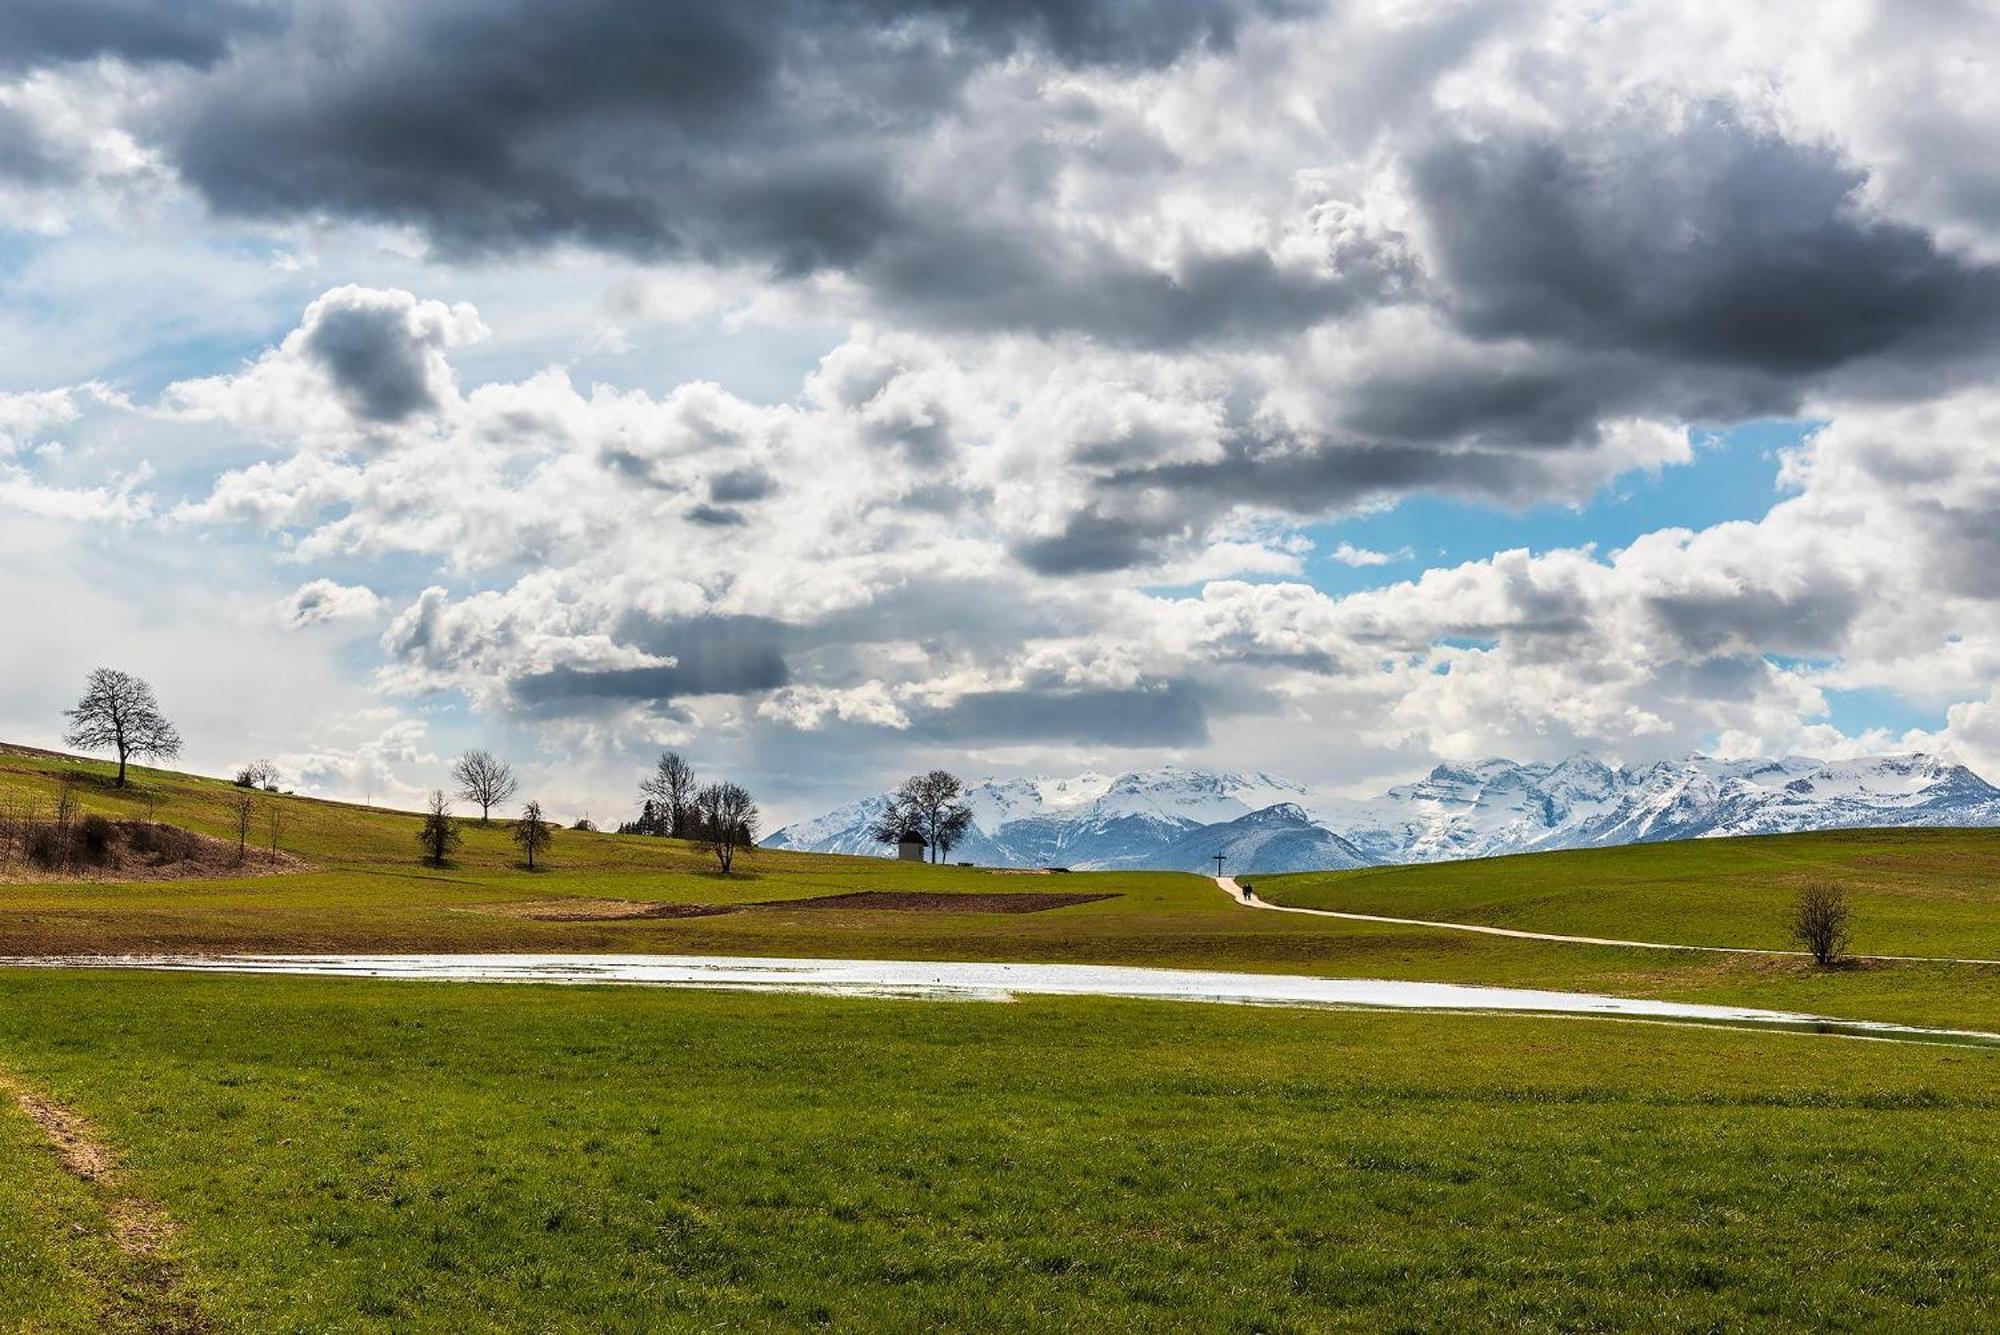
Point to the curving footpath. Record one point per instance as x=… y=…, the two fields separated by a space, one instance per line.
x=1229 y=887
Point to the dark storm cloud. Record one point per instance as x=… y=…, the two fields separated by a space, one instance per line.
x=749 y=483
x=1811 y=621
x=188 y=32
x=1171 y=714
x=773 y=134
x=715 y=516
x=380 y=370
x=24 y=155
x=1088 y=543
x=713 y=656
x=1713 y=245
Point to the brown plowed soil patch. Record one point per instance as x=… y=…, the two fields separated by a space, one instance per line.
x=915 y=901
x=598 y=910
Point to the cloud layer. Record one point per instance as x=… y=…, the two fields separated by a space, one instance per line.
x=1119 y=303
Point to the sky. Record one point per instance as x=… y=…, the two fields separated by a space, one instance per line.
x=831 y=389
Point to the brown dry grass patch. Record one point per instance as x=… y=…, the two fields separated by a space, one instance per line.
x=596 y=910
x=917 y=901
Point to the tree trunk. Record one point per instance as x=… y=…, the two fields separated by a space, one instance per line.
x=121 y=767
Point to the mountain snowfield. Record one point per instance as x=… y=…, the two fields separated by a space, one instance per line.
x=1174 y=818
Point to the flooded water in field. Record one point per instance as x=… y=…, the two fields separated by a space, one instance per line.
x=984 y=982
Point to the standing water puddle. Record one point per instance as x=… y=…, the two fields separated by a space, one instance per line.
x=991 y=982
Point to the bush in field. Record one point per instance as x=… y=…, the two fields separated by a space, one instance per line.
x=534 y=832
x=1819 y=922
x=47 y=847
x=439 y=833
x=93 y=839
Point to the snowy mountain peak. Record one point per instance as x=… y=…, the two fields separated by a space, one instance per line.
x=1174 y=816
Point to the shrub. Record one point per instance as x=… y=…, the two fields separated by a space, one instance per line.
x=46 y=846
x=93 y=838
x=1819 y=922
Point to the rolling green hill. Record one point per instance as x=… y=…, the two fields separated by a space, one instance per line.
x=1913 y=892
x=350 y=1154
x=365 y=888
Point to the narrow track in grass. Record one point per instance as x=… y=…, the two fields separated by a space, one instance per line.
x=1229 y=886
x=152 y=1298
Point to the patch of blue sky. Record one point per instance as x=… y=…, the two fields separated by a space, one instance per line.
x=1865 y=708
x=1734 y=475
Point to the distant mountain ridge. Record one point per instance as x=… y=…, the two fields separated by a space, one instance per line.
x=1174 y=818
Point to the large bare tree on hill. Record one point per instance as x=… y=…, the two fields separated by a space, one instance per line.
x=671 y=788
x=484 y=780
x=118 y=712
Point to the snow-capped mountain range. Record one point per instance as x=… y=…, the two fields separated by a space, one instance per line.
x=1175 y=818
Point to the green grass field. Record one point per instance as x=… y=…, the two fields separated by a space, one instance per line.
x=349 y=1155
x=1914 y=892
x=370 y=892
x=346 y=1155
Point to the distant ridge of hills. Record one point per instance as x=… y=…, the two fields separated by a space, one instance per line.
x=1175 y=818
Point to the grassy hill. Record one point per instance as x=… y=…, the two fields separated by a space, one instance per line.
x=1914 y=892
x=346 y=1154
x=367 y=889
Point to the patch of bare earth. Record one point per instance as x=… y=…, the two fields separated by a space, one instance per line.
x=144 y=851
x=139 y=1227
x=597 y=910
x=917 y=901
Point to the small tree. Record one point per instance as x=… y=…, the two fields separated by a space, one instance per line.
x=670 y=788
x=1819 y=922
x=439 y=833
x=245 y=809
x=533 y=833
x=725 y=820
x=258 y=774
x=484 y=780
x=277 y=815
x=118 y=712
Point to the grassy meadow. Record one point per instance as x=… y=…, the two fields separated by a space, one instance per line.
x=353 y=1155
x=356 y=1155
x=1914 y=892
x=367 y=889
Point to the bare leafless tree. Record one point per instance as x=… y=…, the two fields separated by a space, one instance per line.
x=671 y=788
x=1819 y=922
x=246 y=807
x=439 y=832
x=930 y=806
x=533 y=832
x=277 y=814
x=119 y=713
x=484 y=780
x=258 y=774
x=725 y=821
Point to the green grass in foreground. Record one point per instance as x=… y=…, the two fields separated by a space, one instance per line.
x=1913 y=892
x=345 y=1155
x=58 y=1269
x=371 y=893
